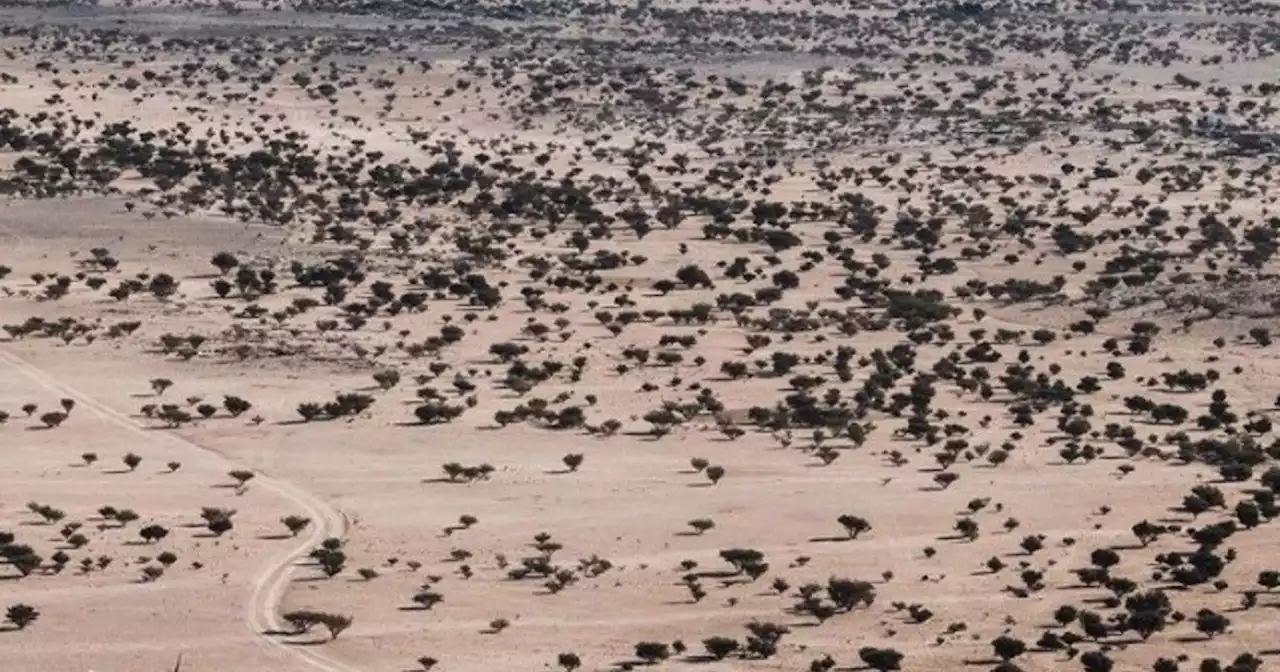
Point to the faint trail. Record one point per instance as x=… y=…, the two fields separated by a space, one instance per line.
x=12 y=240
x=269 y=587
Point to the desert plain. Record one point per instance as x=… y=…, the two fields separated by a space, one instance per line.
x=353 y=336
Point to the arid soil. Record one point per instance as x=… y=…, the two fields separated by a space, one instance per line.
x=355 y=336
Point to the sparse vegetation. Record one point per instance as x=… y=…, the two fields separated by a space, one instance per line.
x=1010 y=268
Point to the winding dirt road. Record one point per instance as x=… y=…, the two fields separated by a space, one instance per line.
x=261 y=614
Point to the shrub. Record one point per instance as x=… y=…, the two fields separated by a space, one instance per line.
x=173 y=416
x=309 y=411
x=331 y=560
x=53 y=419
x=764 y=638
x=218 y=520
x=21 y=615
x=236 y=406
x=1008 y=648
x=720 y=647
x=569 y=661
x=436 y=412
x=387 y=379
x=945 y=479
x=224 y=262
x=427 y=599
x=220 y=526
x=1210 y=623
x=1096 y=661
x=847 y=594
x=652 y=652
x=26 y=562
x=153 y=533
x=741 y=557
x=880 y=659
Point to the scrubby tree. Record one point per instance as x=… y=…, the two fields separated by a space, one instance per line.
x=854 y=525
x=26 y=561
x=336 y=624
x=236 y=406
x=1147 y=532
x=224 y=262
x=427 y=599
x=701 y=525
x=295 y=524
x=301 y=620
x=847 y=594
x=386 y=379
x=1210 y=623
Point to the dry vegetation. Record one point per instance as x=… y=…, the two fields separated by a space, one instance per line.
x=359 y=336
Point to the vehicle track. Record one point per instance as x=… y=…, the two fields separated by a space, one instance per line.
x=261 y=614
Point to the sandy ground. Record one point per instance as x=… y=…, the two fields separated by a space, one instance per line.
x=375 y=482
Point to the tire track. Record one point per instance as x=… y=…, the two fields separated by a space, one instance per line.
x=261 y=614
